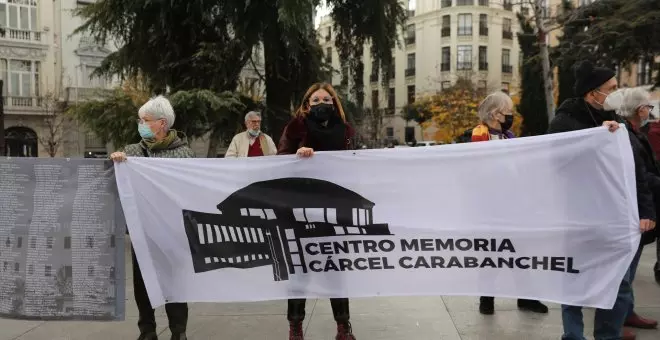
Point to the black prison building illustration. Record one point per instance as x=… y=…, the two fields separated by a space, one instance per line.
x=263 y=223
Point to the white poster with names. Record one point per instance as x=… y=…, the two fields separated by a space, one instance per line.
x=552 y=218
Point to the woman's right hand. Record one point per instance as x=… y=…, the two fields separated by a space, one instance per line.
x=118 y=157
x=305 y=152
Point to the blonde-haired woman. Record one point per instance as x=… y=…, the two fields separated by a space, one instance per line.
x=319 y=124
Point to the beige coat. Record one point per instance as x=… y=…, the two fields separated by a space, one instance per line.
x=241 y=143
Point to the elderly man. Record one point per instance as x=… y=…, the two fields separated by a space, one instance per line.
x=592 y=87
x=253 y=142
x=155 y=121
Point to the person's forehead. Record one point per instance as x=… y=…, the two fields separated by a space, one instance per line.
x=320 y=94
x=146 y=116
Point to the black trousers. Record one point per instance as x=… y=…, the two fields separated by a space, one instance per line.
x=340 y=310
x=177 y=313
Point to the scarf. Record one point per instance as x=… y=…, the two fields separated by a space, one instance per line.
x=162 y=144
x=326 y=138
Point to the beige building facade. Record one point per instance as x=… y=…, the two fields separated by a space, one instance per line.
x=444 y=40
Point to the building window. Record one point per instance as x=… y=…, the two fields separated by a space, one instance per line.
x=483 y=25
x=5 y=265
x=33 y=242
x=389 y=132
x=111 y=275
x=505 y=87
x=483 y=3
x=328 y=34
x=374 y=99
x=21 y=15
x=464 y=24
x=411 y=94
x=391 y=72
x=506 y=61
x=68 y=272
x=8 y=242
x=410 y=34
x=312 y=215
x=67 y=242
x=113 y=241
x=328 y=55
x=31 y=269
x=507 y=5
x=93 y=81
x=391 y=102
x=483 y=58
x=23 y=80
x=48 y=271
x=446 y=26
x=90 y=242
x=585 y=2
x=445 y=3
x=464 y=2
x=90 y=271
x=17 y=267
x=19 y=242
x=464 y=56
x=446 y=85
x=410 y=67
x=644 y=73
x=446 y=59
x=507 y=33
x=49 y=242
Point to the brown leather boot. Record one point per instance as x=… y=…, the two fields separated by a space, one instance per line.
x=636 y=321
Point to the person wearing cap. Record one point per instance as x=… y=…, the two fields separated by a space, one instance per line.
x=633 y=104
x=252 y=142
x=652 y=132
x=592 y=87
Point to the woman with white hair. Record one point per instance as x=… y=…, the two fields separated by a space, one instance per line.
x=633 y=104
x=155 y=121
x=496 y=115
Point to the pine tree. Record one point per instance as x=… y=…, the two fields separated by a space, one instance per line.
x=532 y=101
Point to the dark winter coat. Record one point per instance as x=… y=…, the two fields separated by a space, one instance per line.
x=294 y=137
x=577 y=114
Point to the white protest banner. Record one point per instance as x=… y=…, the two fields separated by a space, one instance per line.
x=551 y=218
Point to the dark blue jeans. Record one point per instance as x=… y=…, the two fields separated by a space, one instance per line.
x=608 y=323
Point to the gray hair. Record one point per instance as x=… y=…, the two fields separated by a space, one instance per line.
x=631 y=100
x=159 y=108
x=494 y=102
x=252 y=114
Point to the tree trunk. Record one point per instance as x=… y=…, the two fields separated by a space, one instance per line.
x=214 y=142
x=545 y=59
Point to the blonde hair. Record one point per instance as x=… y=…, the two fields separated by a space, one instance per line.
x=303 y=110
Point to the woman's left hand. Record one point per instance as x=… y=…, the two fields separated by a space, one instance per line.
x=305 y=152
x=611 y=125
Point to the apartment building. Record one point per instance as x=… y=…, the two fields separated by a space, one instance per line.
x=444 y=40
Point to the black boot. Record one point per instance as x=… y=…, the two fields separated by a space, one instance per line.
x=532 y=306
x=148 y=336
x=179 y=336
x=487 y=305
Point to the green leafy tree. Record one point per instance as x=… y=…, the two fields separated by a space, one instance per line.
x=532 y=104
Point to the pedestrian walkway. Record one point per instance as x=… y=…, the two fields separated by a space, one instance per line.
x=420 y=318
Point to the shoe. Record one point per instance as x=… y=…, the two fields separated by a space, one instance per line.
x=628 y=334
x=532 y=306
x=148 y=336
x=296 y=331
x=179 y=336
x=344 y=332
x=636 y=321
x=487 y=305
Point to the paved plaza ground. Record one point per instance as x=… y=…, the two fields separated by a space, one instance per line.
x=418 y=318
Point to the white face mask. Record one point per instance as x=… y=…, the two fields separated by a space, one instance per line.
x=614 y=101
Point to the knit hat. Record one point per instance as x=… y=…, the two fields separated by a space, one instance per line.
x=589 y=77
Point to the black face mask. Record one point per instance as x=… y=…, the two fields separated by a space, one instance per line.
x=322 y=112
x=508 y=122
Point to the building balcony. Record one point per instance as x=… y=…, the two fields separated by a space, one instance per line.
x=444 y=67
x=507 y=68
x=483 y=66
x=483 y=31
x=373 y=78
x=410 y=40
x=446 y=31
x=18 y=102
x=507 y=35
x=410 y=72
x=24 y=36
